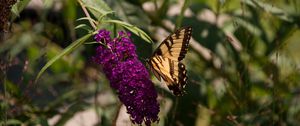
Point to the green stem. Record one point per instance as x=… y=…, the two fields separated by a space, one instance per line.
x=5 y=99
x=180 y=17
x=87 y=14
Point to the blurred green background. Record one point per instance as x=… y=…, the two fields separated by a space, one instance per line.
x=243 y=63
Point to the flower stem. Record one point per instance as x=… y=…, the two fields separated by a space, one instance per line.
x=87 y=14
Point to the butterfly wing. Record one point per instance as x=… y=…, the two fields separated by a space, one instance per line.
x=171 y=71
x=176 y=45
x=165 y=61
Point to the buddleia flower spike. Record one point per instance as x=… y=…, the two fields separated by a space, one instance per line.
x=128 y=76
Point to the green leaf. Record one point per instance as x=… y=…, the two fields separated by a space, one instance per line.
x=180 y=17
x=85 y=27
x=249 y=26
x=132 y=28
x=18 y=7
x=11 y=122
x=67 y=50
x=86 y=18
x=69 y=10
x=270 y=9
x=12 y=88
x=105 y=14
x=97 y=7
x=91 y=43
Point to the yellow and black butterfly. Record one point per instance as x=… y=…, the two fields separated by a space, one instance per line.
x=165 y=61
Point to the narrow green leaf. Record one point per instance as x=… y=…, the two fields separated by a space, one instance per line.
x=87 y=43
x=81 y=26
x=132 y=28
x=97 y=7
x=85 y=27
x=105 y=14
x=67 y=50
x=250 y=27
x=11 y=122
x=180 y=17
x=86 y=18
x=18 y=7
x=270 y=9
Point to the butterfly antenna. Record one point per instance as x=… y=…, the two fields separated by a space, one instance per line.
x=143 y=59
x=146 y=62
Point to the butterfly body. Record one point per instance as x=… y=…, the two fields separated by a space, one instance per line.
x=165 y=61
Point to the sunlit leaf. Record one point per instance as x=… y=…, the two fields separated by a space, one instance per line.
x=250 y=27
x=86 y=18
x=85 y=27
x=132 y=28
x=269 y=8
x=97 y=7
x=105 y=14
x=91 y=43
x=18 y=7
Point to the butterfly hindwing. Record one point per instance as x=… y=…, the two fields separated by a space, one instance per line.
x=172 y=72
x=165 y=62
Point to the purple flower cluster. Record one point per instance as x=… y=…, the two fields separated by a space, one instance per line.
x=128 y=76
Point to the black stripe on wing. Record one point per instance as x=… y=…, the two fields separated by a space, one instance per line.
x=167 y=45
x=185 y=44
x=179 y=82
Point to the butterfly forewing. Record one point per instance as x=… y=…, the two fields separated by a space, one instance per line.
x=175 y=46
x=165 y=62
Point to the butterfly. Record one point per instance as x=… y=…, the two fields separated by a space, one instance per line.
x=165 y=61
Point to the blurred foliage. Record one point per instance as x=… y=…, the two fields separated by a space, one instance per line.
x=243 y=62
